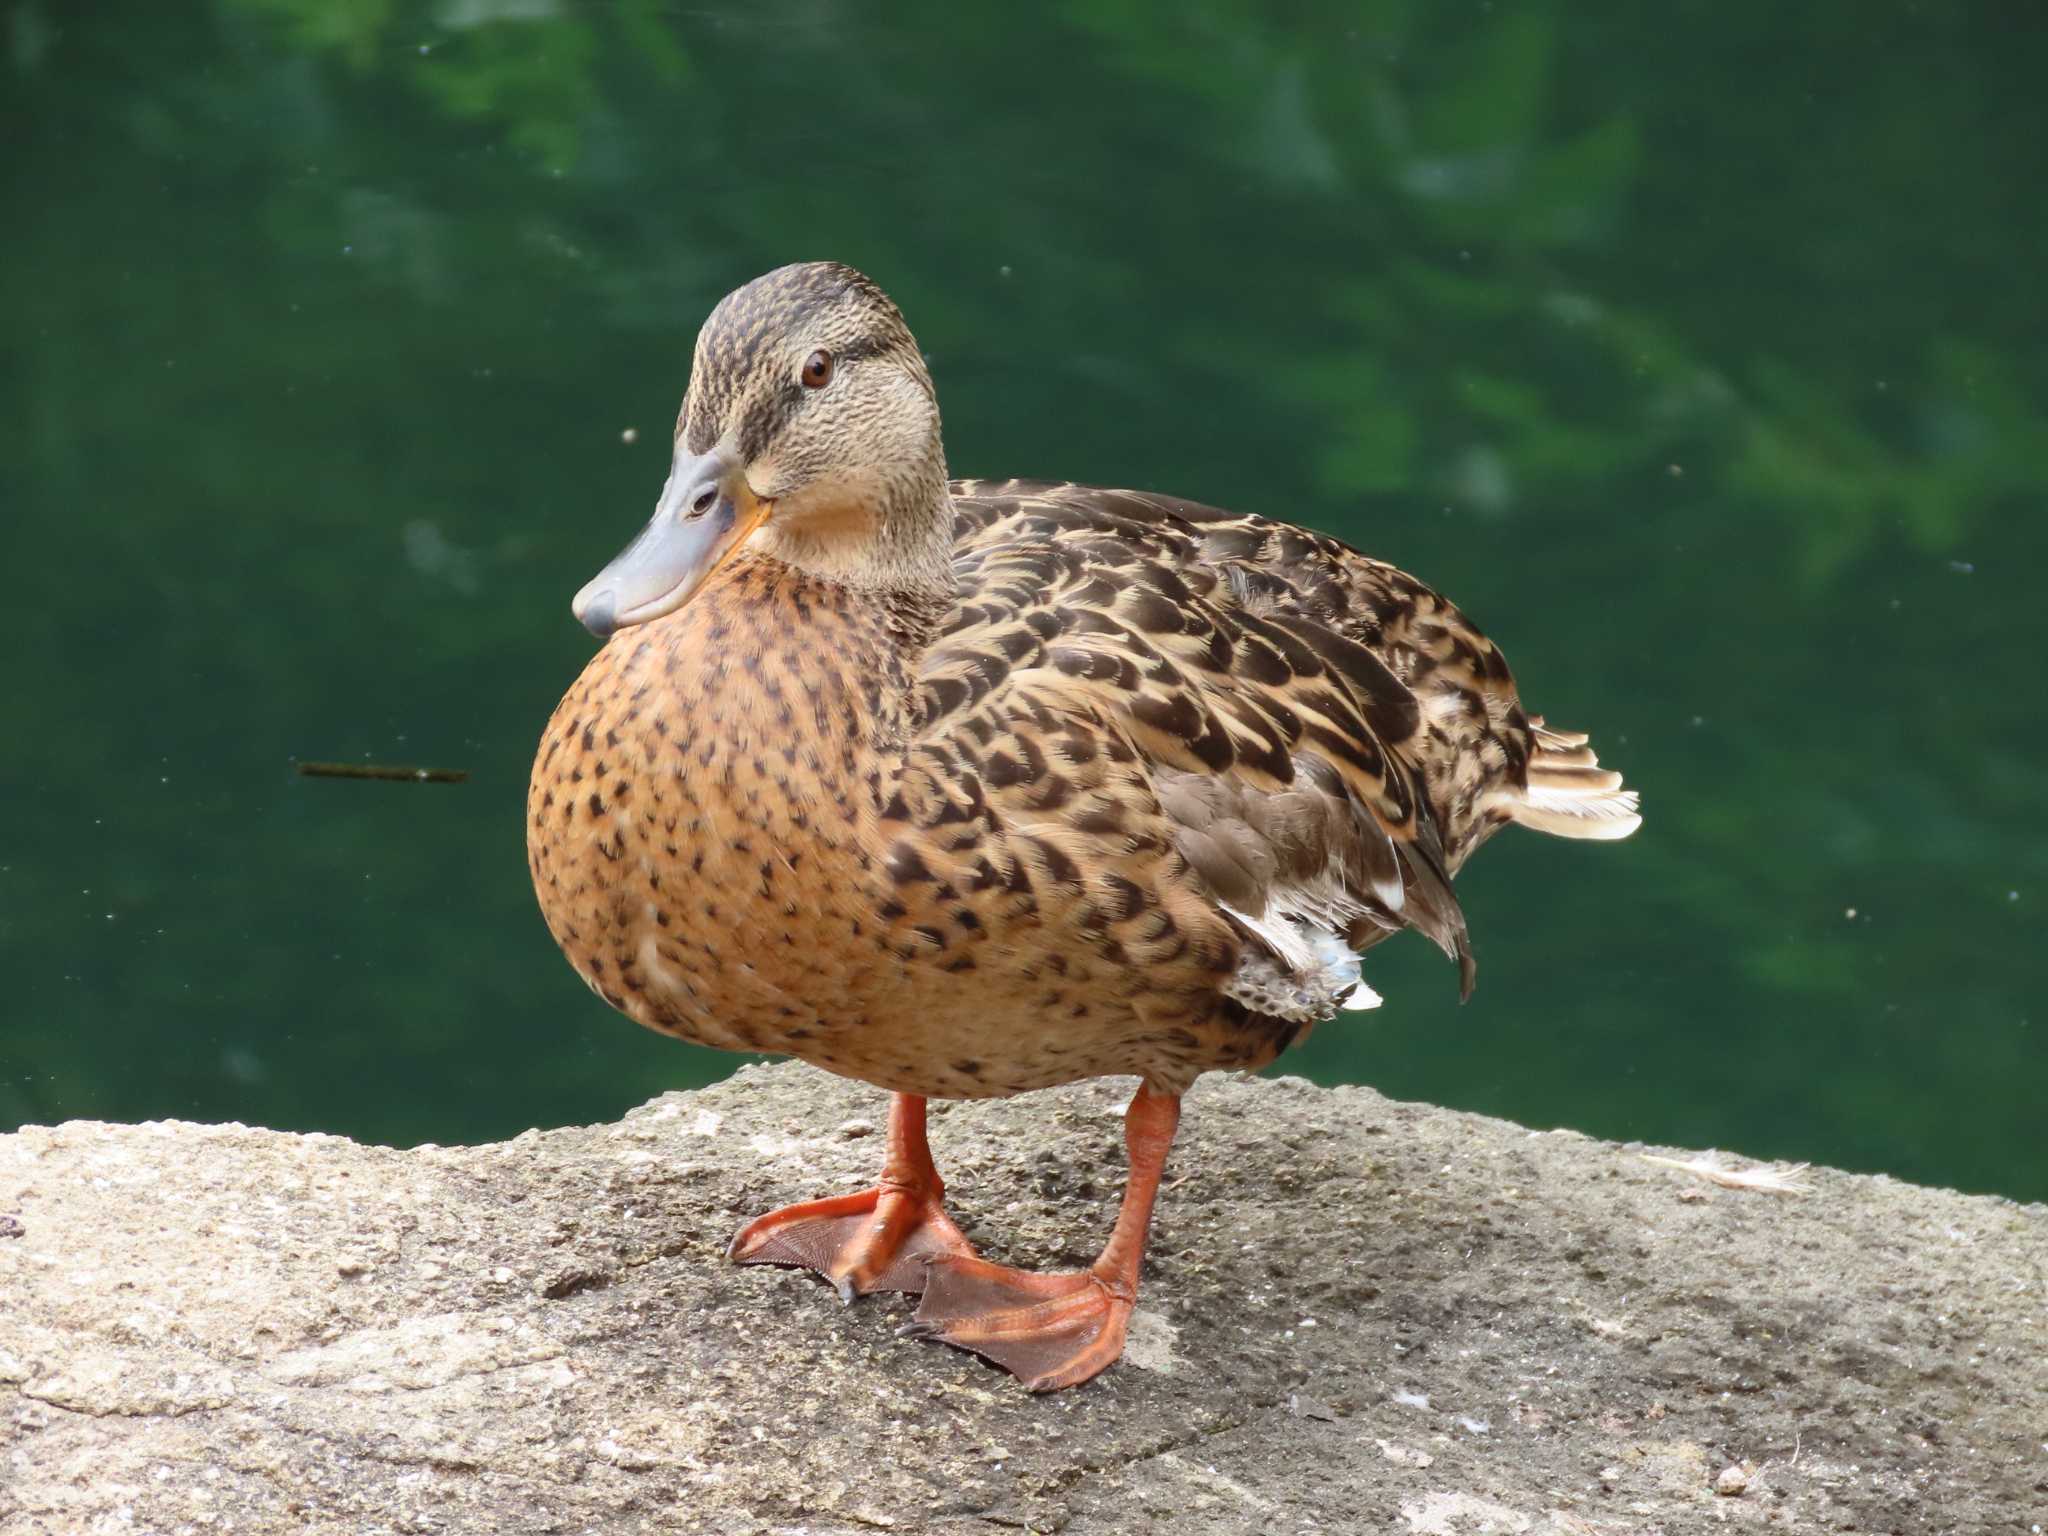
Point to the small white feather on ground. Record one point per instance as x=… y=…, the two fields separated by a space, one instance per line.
x=1762 y=1179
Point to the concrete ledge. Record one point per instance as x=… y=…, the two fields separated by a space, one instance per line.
x=1360 y=1316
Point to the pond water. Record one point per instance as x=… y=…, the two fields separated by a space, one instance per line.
x=1697 y=351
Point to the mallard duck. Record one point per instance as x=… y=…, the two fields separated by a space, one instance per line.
x=966 y=788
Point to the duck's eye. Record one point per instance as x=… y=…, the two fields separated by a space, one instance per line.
x=817 y=370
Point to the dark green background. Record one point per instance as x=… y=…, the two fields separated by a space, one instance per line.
x=1696 y=349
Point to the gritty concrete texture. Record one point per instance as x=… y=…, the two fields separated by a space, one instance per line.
x=1359 y=1316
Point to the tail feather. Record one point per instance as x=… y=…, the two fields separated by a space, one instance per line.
x=1570 y=794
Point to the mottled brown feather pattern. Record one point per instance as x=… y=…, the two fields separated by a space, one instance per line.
x=1274 y=658
x=980 y=847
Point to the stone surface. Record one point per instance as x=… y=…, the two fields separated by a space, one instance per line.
x=1359 y=1316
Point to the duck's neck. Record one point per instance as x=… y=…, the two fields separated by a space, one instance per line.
x=885 y=534
x=799 y=656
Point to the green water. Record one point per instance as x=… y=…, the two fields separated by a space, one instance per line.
x=1697 y=350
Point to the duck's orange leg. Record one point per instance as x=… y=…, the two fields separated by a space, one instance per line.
x=1054 y=1331
x=878 y=1240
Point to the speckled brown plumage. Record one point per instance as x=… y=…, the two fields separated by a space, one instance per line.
x=789 y=811
x=977 y=787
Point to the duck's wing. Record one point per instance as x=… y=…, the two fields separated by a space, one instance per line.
x=1325 y=737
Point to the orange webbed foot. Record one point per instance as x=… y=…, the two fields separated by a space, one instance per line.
x=878 y=1240
x=1054 y=1331
x=1049 y=1331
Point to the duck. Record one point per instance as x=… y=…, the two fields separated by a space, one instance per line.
x=971 y=788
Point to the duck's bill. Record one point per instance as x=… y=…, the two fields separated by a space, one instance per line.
x=706 y=511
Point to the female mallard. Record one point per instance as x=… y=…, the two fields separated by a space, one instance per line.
x=968 y=788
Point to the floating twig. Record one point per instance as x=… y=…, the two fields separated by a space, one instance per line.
x=402 y=772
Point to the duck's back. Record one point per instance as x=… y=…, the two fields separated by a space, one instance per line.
x=1269 y=612
x=1329 y=738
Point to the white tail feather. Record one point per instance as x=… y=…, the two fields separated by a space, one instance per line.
x=1602 y=817
x=1360 y=998
x=1570 y=794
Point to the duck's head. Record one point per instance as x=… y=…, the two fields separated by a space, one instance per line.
x=810 y=433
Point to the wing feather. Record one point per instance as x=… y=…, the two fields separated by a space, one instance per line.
x=1326 y=737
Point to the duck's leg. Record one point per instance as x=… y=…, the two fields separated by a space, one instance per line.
x=1054 y=1331
x=877 y=1240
